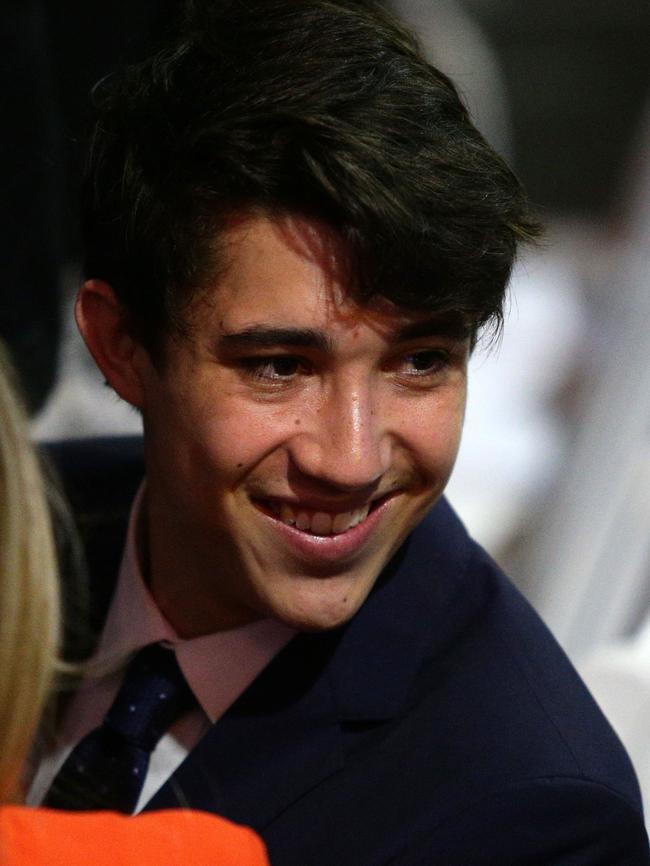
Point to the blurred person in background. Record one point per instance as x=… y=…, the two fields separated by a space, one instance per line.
x=29 y=645
x=295 y=235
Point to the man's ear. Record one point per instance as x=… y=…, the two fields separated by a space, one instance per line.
x=104 y=326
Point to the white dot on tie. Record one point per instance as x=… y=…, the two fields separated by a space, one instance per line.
x=136 y=771
x=131 y=708
x=163 y=696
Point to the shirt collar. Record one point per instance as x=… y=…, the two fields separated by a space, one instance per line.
x=218 y=667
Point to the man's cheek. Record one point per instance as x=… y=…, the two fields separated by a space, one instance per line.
x=236 y=443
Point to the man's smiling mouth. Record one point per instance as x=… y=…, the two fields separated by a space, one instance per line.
x=314 y=521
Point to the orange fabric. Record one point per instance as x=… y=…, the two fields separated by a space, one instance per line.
x=45 y=837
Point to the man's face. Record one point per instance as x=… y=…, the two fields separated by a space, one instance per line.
x=293 y=438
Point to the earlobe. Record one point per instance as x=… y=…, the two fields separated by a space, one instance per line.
x=103 y=324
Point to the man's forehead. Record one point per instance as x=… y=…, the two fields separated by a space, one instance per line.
x=288 y=272
x=258 y=240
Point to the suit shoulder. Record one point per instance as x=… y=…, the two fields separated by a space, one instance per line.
x=99 y=475
x=537 y=821
x=507 y=681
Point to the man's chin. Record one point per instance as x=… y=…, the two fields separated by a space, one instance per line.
x=321 y=608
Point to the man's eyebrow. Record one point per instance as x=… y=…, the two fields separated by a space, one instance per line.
x=265 y=337
x=451 y=327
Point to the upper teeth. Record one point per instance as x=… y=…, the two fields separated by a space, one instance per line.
x=321 y=522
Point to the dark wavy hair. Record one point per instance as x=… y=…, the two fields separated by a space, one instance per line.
x=324 y=108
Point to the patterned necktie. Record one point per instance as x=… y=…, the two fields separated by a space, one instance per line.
x=107 y=768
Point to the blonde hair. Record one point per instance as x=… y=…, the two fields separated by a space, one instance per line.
x=29 y=595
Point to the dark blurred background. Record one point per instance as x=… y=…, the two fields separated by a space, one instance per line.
x=576 y=75
x=53 y=53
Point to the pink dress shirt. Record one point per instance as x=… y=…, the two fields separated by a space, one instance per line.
x=218 y=667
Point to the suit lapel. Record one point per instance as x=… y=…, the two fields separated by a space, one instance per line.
x=280 y=739
x=420 y=603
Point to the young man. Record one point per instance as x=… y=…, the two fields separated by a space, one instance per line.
x=294 y=237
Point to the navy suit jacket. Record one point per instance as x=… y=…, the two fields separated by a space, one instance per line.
x=442 y=725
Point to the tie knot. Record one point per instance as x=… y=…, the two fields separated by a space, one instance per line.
x=154 y=693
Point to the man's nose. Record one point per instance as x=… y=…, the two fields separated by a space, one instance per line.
x=346 y=443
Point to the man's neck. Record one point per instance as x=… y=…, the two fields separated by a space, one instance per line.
x=181 y=591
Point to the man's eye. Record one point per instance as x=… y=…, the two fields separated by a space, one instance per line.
x=273 y=368
x=425 y=362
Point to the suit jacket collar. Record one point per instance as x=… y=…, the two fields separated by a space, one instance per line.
x=405 y=619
